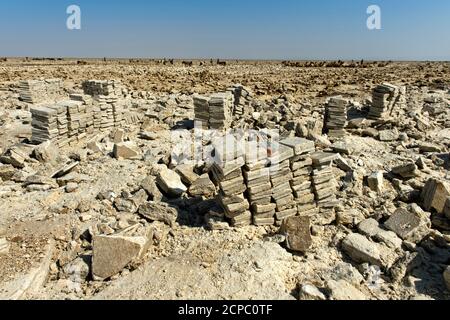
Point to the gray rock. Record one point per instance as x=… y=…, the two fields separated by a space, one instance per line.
x=389 y=135
x=170 y=182
x=408 y=170
x=376 y=181
x=149 y=185
x=78 y=270
x=435 y=194
x=111 y=254
x=342 y=290
x=408 y=225
x=126 y=150
x=310 y=292
x=187 y=174
x=46 y=152
x=345 y=271
x=159 y=212
x=361 y=249
x=203 y=186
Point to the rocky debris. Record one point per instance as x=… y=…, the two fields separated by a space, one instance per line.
x=376 y=182
x=362 y=250
x=159 y=212
x=187 y=174
x=203 y=186
x=372 y=229
x=298 y=233
x=46 y=152
x=150 y=186
x=111 y=254
x=406 y=171
x=435 y=194
x=170 y=182
x=388 y=135
x=126 y=150
x=64 y=170
x=16 y=156
x=7 y=172
x=342 y=290
x=78 y=270
x=4 y=246
x=408 y=225
x=310 y=292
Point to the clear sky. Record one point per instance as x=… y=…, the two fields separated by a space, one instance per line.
x=245 y=29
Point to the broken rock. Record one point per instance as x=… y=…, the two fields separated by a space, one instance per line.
x=159 y=212
x=46 y=152
x=435 y=194
x=170 y=182
x=406 y=171
x=361 y=249
x=149 y=185
x=375 y=181
x=310 y=292
x=111 y=254
x=203 y=186
x=298 y=233
x=410 y=226
x=126 y=150
x=342 y=290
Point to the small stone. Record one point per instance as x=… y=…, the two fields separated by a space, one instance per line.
x=435 y=194
x=111 y=254
x=408 y=170
x=342 y=290
x=159 y=212
x=119 y=136
x=170 y=182
x=389 y=135
x=310 y=292
x=361 y=250
x=46 y=152
x=71 y=187
x=78 y=270
x=409 y=226
x=187 y=174
x=149 y=185
x=375 y=181
x=203 y=186
x=298 y=233
x=126 y=150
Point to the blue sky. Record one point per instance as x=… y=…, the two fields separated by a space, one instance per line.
x=245 y=29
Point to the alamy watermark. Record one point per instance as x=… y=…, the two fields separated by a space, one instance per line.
x=374 y=19
x=74 y=20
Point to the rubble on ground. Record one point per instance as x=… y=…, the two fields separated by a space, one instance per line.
x=311 y=194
